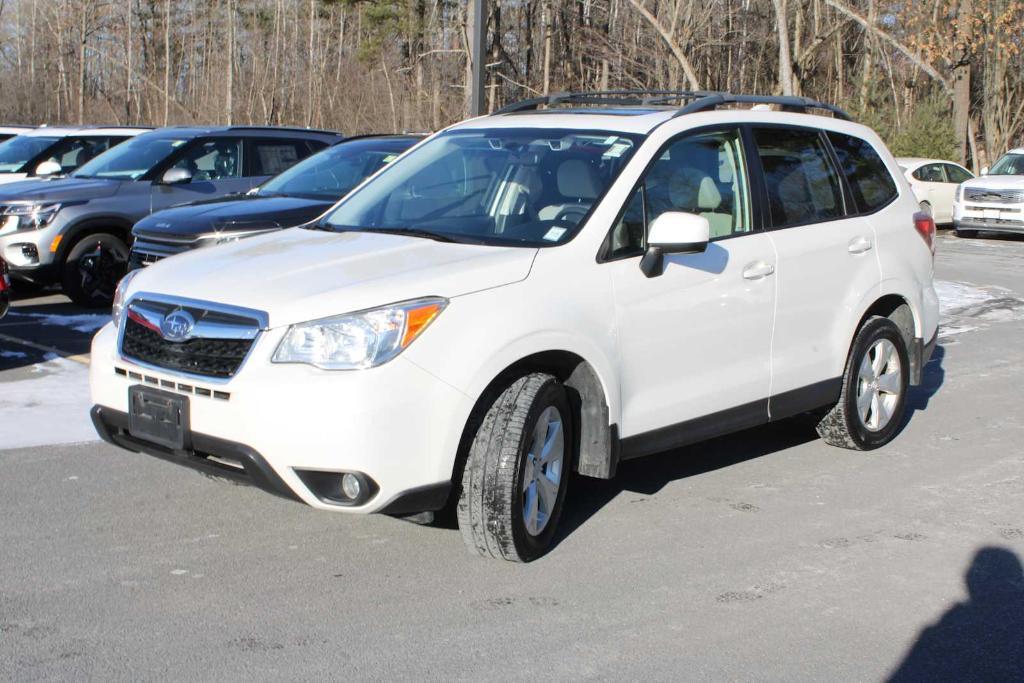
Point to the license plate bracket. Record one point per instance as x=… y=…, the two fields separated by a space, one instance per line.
x=158 y=417
x=992 y=214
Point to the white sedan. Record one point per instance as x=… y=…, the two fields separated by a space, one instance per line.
x=934 y=182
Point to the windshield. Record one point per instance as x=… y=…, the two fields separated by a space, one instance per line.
x=1009 y=164
x=14 y=153
x=130 y=160
x=333 y=173
x=524 y=187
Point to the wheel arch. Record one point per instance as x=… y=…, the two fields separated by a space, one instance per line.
x=118 y=226
x=595 y=452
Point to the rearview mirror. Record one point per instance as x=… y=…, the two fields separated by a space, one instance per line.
x=176 y=176
x=674 y=232
x=48 y=168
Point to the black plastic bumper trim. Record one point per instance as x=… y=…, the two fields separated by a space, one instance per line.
x=112 y=426
x=920 y=354
x=428 y=498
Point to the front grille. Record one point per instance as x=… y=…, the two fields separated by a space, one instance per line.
x=215 y=346
x=210 y=357
x=980 y=194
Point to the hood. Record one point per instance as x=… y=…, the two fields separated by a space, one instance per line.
x=298 y=275
x=996 y=182
x=6 y=178
x=234 y=213
x=59 y=189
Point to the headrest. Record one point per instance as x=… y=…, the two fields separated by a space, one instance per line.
x=578 y=180
x=690 y=188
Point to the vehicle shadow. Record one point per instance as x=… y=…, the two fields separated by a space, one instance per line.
x=932 y=377
x=43 y=325
x=980 y=639
x=651 y=474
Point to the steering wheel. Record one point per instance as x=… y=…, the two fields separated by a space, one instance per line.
x=567 y=213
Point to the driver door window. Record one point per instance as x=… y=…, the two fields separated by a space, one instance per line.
x=213 y=160
x=702 y=174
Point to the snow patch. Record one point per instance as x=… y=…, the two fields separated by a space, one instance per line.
x=13 y=354
x=82 y=322
x=51 y=407
x=965 y=307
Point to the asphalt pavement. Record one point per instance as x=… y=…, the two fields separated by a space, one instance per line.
x=765 y=555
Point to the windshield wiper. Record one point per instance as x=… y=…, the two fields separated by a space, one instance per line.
x=411 y=232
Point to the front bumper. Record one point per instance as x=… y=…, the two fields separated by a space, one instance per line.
x=396 y=424
x=29 y=255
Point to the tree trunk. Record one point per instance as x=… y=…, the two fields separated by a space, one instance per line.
x=786 y=80
x=962 y=84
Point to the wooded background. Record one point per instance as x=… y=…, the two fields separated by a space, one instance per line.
x=942 y=78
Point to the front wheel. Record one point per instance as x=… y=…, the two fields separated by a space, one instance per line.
x=93 y=268
x=517 y=469
x=873 y=397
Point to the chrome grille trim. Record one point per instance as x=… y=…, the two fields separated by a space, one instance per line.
x=980 y=194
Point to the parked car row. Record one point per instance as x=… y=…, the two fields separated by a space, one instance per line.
x=524 y=296
x=76 y=194
x=993 y=202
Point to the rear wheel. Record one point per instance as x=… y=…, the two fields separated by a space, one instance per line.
x=873 y=398
x=514 y=482
x=93 y=268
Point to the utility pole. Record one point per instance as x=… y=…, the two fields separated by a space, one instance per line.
x=477 y=38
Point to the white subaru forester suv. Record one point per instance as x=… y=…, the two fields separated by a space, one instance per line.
x=567 y=284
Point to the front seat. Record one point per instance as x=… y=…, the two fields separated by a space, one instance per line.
x=694 y=191
x=579 y=185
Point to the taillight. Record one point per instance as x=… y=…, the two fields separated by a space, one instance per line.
x=925 y=226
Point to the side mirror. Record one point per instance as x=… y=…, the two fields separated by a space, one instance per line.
x=984 y=170
x=176 y=176
x=674 y=232
x=48 y=168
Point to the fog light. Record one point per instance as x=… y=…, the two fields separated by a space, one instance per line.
x=350 y=486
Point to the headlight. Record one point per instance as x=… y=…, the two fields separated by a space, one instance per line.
x=119 y=295
x=355 y=341
x=27 y=217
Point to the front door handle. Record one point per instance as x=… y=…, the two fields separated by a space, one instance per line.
x=858 y=245
x=758 y=270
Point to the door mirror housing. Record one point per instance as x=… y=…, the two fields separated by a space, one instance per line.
x=984 y=170
x=674 y=232
x=48 y=168
x=176 y=176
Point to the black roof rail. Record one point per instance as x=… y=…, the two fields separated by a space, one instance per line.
x=697 y=100
x=292 y=129
x=607 y=97
x=788 y=103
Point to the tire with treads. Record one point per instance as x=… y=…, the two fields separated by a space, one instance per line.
x=490 y=508
x=843 y=425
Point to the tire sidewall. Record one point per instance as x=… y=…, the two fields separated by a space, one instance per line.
x=70 y=276
x=529 y=547
x=874 y=330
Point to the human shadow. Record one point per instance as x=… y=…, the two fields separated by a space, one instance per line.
x=980 y=639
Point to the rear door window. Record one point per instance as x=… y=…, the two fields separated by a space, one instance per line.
x=802 y=182
x=867 y=175
x=271 y=157
x=957 y=175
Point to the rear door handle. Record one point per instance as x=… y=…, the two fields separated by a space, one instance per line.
x=758 y=270
x=858 y=245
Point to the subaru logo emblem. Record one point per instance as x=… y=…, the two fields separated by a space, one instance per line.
x=177 y=325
